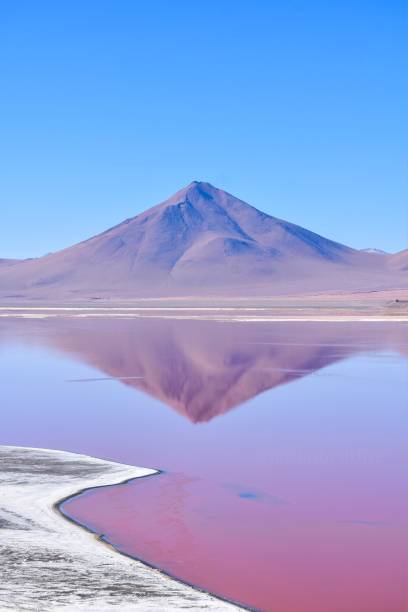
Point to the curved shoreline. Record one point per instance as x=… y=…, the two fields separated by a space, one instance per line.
x=49 y=564
x=103 y=539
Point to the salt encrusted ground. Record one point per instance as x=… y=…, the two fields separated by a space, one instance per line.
x=49 y=564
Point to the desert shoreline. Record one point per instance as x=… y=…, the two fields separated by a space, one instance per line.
x=376 y=306
x=220 y=314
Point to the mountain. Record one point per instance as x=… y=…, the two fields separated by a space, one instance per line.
x=201 y=241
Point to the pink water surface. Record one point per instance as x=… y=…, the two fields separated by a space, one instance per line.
x=283 y=449
x=311 y=552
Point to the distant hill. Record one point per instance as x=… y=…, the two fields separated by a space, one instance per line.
x=399 y=260
x=9 y=262
x=201 y=241
x=375 y=251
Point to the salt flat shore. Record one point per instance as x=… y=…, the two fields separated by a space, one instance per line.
x=220 y=314
x=372 y=306
x=50 y=564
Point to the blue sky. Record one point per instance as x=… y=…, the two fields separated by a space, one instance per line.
x=109 y=106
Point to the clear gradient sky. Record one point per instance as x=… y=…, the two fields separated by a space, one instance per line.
x=107 y=107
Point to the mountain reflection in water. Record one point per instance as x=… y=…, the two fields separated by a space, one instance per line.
x=203 y=369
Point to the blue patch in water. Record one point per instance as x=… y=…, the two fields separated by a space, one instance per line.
x=248 y=495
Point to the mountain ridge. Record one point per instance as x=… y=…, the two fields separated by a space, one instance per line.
x=201 y=240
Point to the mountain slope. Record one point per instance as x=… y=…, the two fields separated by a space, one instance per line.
x=399 y=261
x=202 y=240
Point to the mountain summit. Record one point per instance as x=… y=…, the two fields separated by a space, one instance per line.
x=201 y=241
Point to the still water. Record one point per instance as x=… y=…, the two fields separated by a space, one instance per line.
x=283 y=449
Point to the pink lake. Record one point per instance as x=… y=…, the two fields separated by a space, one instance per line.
x=283 y=449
